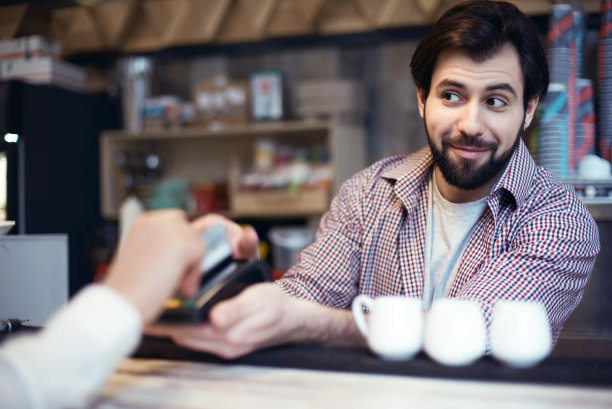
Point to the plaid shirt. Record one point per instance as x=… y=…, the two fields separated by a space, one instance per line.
x=535 y=241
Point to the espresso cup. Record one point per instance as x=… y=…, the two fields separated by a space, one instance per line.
x=455 y=332
x=520 y=333
x=394 y=328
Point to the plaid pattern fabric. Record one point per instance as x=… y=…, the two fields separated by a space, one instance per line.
x=535 y=241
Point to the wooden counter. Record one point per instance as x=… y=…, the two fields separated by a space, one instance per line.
x=150 y=383
x=163 y=375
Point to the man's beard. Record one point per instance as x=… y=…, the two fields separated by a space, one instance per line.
x=466 y=174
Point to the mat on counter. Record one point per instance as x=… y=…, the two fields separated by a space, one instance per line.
x=553 y=370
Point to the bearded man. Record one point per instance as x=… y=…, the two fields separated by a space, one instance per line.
x=471 y=216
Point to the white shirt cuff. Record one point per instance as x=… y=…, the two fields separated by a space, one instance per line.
x=69 y=361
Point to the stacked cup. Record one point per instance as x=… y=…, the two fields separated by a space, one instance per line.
x=561 y=50
x=579 y=35
x=585 y=126
x=553 y=137
x=604 y=52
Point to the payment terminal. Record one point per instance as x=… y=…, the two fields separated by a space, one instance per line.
x=223 y=277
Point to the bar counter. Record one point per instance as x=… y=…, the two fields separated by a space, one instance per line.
x=148 y=383
x=163 y=375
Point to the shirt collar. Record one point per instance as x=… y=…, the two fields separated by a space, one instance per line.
x=515 y=178
x=410 y=175
x=521 y=169
x=414 y=166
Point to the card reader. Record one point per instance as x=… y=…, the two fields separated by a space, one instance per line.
x=223 y=277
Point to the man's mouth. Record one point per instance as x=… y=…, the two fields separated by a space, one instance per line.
x=469 y=152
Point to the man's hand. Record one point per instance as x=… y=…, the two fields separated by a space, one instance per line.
x=162 y=251
x=255 y=318
x=262 y=316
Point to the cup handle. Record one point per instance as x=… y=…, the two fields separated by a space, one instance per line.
x=358 y=315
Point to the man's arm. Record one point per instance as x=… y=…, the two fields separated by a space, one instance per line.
x=307 y=306
x=264 y=315
x=549 y=260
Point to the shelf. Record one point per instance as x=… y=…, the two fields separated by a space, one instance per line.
x=584 y=181
x=251 y=130
x=197 y=154
x=599 y=206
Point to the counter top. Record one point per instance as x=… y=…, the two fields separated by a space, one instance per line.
x=151 y=383
x=163 y=375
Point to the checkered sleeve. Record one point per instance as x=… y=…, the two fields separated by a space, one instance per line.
x=327 y=271
x=548 y=257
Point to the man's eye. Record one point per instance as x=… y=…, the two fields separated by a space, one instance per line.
x=450 y=97
x=496 y=102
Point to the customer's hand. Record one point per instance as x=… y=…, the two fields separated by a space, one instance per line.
x=162 y=251
x=243 y=240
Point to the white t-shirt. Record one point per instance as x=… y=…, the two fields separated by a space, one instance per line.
x=449 y=229
x=68 y=362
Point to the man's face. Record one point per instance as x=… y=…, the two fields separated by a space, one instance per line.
x=474 y=115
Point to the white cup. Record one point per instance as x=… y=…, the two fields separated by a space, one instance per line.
x=520 y=333
x=394 y=330
x=455 y=332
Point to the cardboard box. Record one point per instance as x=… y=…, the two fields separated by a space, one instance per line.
x=279 y=203
x=44 y=70
x=313 y=200
x=28 y=47
x=330 y=98
x=221 y=101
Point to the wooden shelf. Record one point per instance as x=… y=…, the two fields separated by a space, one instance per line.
x=275 y=204
x=251 y=130
x=196 y=154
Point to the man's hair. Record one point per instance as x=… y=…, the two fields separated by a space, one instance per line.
x=481 y=28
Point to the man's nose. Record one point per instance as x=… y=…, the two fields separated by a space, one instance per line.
x=471 y=120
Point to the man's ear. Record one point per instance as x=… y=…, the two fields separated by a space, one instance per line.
x=421 y=101
x=530 y=111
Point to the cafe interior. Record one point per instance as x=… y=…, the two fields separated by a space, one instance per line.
x=259 y=110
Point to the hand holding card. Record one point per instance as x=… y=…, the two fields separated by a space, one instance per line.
x=222 y=278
